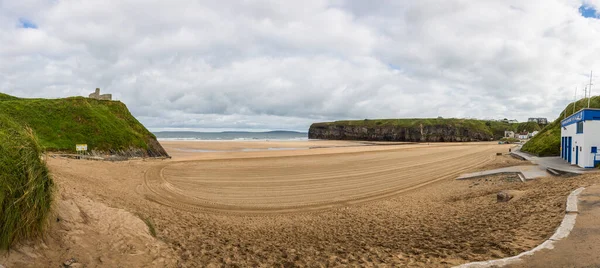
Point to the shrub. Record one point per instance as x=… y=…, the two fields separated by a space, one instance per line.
x=25 y=184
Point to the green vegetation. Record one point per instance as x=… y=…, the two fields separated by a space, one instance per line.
x=510 y=140
x=151 y=228
x=106 y=126
x=7 y=97
x=492 y=128
x=527 y=127
x=25 y=184
x=547 y=142
x=58 y=124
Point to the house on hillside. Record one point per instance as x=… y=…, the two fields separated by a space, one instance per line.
x=539 y=120
x=510 y=121
x=522 y=135
x=531 y=134
x=509 y=134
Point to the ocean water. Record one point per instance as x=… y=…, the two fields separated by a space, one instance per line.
x=223 y=136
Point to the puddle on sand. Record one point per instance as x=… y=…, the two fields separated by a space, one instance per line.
x=245 y=150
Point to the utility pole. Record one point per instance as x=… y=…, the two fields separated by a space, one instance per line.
x=574 y=100
x=590 y=89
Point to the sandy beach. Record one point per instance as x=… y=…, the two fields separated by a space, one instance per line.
x=337 y=204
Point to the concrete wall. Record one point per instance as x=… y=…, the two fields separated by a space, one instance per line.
x=591 y=138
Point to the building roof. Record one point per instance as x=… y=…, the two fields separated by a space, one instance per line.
x=585 y=114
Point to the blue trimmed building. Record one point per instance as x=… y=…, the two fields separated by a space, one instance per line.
x=580 y=138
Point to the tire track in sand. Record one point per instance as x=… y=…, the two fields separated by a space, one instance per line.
x=308 y=182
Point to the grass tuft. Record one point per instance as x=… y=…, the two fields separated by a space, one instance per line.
x=151 y=227
x=25 y=184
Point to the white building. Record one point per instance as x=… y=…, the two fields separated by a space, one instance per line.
x=531 y=134
x=580 y=138
x=509 y=134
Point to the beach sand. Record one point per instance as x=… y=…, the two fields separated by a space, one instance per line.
x=343 y=203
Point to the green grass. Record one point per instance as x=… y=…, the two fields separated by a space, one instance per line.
x=25 y=184
x=151 y=227
x=493 y=129
x=7 y=97
x=527 y=127
x=511 y=140
x=58 y=124
x=547 y=142
x=106 y=126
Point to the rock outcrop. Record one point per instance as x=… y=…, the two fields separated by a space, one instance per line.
x=417 y=133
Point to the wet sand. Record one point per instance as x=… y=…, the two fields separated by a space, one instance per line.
x=346 y=205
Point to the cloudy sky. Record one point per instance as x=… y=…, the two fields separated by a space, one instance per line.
x=284 y=64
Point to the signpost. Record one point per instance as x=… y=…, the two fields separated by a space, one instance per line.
x=81 y=148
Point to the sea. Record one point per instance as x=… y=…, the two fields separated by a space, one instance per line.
x=231 y=136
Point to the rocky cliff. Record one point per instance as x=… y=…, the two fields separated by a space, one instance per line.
x=409 y=130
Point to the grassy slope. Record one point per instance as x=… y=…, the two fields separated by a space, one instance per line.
x=527 y=127
x=25 y=184
x=7 y=97
x=494 y=128
x=62 y=123
x=547 y=142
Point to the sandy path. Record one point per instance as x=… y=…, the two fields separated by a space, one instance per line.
x=319 y=180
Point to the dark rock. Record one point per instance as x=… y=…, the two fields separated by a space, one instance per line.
x=504 y=196
x=418 y=133
x=69 y=262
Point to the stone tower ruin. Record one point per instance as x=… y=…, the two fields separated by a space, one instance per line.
x=96 y=95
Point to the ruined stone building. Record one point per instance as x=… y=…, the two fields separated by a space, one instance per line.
x=96 y=95
x=541 y=120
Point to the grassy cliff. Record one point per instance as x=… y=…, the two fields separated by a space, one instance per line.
x=106 y=126
x=547 y=142
x=25 y=184
x=417 y=129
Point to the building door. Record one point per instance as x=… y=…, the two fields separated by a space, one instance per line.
x=569 y=151
x=577 y=155
x=563 y=148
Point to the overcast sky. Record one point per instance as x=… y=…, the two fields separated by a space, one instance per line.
x=285 y=64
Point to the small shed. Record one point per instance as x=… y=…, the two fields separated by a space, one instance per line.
x=580 y=138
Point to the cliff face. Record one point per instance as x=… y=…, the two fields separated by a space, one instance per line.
x=416 y=133
x=107 y=127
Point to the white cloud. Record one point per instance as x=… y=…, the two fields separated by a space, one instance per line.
x=285 y=64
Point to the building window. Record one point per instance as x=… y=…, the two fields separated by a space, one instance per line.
x=580 y=127
x=594 y=149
